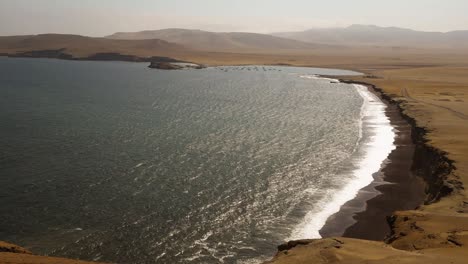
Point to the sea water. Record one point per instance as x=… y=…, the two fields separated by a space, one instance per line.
x=116 y=162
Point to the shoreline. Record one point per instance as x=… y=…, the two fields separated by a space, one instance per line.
x=428 y=163
x=415 y=236
x=378 y=140
x=431 y=164
x=393 y=188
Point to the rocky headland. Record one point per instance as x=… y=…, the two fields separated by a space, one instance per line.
x=164 y=65
x=13 y=254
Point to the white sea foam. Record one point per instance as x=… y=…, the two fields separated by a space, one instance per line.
x=376 y=150
x=139 y=165
x=317 y=77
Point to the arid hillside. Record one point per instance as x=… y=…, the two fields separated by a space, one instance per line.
x=369 y=35
x=212 y=41
x=79 y=46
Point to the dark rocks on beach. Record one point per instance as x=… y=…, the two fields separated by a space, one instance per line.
x=113 y=56
x=101 y=56
x=164 y=66
x=54 y=54
x=291 y=244
x=11 y=248
x=163 y=59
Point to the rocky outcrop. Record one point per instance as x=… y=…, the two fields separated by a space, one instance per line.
x=355 y=251
x=11 y=248
x=174 y=65
x=102 y=56
x=13 y=254
x=53 y=54
x=113 y=56
x=293 y=244
x=164 y=66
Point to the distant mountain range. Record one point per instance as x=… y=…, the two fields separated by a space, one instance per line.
x=212 y=41
x=75 y=46
x=380 y=36
x=198 y=44
x=355 y=35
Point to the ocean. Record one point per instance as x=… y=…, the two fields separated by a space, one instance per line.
x=116 y=162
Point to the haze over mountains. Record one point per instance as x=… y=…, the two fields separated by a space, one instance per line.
x=80 y=46
x=355 y=35
x=381 y=36
x=198 y=45
x=212 y=41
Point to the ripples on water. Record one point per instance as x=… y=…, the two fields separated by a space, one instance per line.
x=117 y=162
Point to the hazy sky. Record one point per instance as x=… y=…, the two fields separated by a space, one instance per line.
x=103 y=17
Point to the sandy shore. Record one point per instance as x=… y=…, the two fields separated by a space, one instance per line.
x=431 y=100
x=395 y=187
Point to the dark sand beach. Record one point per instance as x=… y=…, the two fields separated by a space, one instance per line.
x=435 y=231
x=395 y=187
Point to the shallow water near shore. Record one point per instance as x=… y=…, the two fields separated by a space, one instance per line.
x=116 y=162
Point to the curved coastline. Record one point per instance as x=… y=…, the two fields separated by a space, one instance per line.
x=417 y=137
x=415 y=235
x=394 y=186
x=376 y=142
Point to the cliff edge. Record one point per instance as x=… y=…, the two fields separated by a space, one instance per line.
x=13 y=254
x=432 y=100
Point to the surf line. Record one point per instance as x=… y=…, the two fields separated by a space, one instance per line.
x=375 y=150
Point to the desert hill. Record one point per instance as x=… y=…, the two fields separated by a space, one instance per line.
x=81 y=47
x=213 y=41
x=380 y=36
